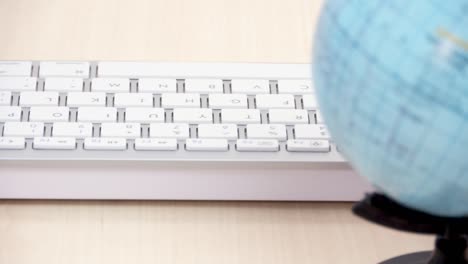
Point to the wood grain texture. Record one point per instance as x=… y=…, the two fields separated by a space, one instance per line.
x=161 y=232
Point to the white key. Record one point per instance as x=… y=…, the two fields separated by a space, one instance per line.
x=269 y=101
x=305 y=145
x=319 y=117
x=174 y=100
x=64 y=69
x=12 y=143
x=38 y=99
x=15 y=68
x=72 y=129
x=268 y=145
x=311 y=132
x=199 y=144
x=225 y=101
x=5 y=98
x=204 y=86
x=63 y=84
x=266 y=131
x=240 y=116
x=133 y=100
x=49 y=113
x=296 y=87
x=18 y=84
x=110 y=85
x=156 y=144
x=76 y=99
x=105 y=144
x=123 y=130
x=310 y=101
x=97 y=114
x=226 y=131
x=169 y=130
x=250 y=87
x=288 y=116
x=193 y=115
x=54 y=143
x=144 y=115
x=150 y=85
x=10 y=113
x=202 y=70
x=23 y=129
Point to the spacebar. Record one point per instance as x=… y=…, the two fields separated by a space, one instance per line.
x=203 y=70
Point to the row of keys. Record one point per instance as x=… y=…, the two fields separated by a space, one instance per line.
x=158 y=115
x=122 y=100
x=165 y=130
x=118 y=85
x=64 y=143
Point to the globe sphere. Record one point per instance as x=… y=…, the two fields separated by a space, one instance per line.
x=392 y=84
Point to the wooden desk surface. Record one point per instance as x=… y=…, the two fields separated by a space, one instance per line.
x=178 y=232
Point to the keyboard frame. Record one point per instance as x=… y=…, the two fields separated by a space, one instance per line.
x=181 y=174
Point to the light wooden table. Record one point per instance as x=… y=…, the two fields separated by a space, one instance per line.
x=177 y=232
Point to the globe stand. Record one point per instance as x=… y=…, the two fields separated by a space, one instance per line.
x=451 y=242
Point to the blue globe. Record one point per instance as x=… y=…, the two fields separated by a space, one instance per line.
x=392 y=82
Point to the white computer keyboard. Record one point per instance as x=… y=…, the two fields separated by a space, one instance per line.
x=182 y=112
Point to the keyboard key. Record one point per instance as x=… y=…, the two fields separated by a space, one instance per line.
x=193 y=115
x=64 y=69
x=169 y=130
x=250 y=87
x=269 y=101
x=240 y=116
x=266 y=131
x=310 y=101
x=76 y=130
x=62 y=84
x=23 y=129
x=198 y=144
x=105 y=143
x=156 y=144
x=10 y=113
x=38 y=99
x=123 y=130
x=288 y=116
x=54 y=143
x=224 y=101
x=202 y=70
x=97 y=114
x=150 y=85
x=304 y=145
x=133 y=100
x=179 y=100
x=260 y=145
x=144 y=115
x=75 y=99
x=110 y=85
x=5 y=98
x=49 y=113
x=311 y=132
x=204 y=86
x=226 y=131
x=18 y=84
x=15 y=68
x=12 y=143
x=296 y=87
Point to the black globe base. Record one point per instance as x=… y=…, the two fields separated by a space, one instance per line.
x=451 y=243
x=413 y=258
